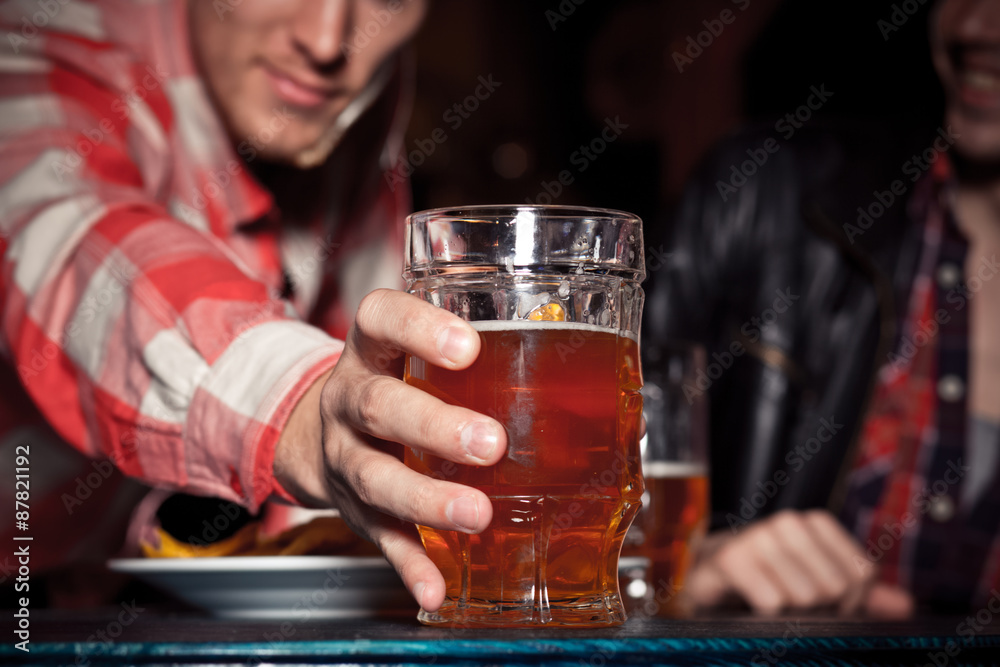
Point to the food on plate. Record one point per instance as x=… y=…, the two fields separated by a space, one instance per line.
x=323 y=536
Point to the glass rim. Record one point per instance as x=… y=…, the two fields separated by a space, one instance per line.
x=473 y=210
x=485 y=238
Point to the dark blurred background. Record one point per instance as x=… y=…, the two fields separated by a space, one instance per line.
x=564 y=68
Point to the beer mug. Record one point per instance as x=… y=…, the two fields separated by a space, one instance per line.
x=668 y=530
x=554 y=294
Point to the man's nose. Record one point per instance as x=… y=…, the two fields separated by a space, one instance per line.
x=320 y=28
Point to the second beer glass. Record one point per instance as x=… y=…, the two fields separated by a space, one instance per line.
x=674 y=516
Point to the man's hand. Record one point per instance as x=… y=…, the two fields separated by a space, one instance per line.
x=337 y=451
x=793 y=560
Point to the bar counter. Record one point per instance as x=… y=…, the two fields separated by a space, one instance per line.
x=126 y=635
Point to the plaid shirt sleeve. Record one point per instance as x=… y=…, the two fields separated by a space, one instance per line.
x=138 y=336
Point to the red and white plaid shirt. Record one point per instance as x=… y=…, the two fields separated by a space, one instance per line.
x=146 y=318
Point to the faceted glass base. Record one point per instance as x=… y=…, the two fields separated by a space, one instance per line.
x=597 y=611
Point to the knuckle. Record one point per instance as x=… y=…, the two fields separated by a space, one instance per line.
x=331 y=398
x=796 y=590
x=430 y=423
x=393 y=545
x=794 y=536
x=837 y=587
x=357 y=474
x=764 y=602
x=806 y=596
x=389 y=542
x=763 y=540
x=788 y=522
x=731 y=556
x=408 y=569
x=368 y=401
x=817 y=513
x=821 y=519
x=863 y=576
x=370 y=310
x=422 y=497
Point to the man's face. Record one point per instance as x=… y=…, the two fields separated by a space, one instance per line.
x=309 y=57
x=966 y=48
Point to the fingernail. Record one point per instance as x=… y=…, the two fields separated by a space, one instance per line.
x=418 y=593
x=455 y=344
x=479 y=440
x=463 y=513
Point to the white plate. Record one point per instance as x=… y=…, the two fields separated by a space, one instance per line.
x=295 y=587
x=290 y=587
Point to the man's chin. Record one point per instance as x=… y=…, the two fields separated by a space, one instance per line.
x=977 y=139
x=983 y=150
x=301 y=154
x=317 y=152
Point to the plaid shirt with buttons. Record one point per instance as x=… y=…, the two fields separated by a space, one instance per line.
x=904 y=500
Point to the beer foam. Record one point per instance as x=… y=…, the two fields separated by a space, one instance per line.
x=522 y=325
x=673 y=469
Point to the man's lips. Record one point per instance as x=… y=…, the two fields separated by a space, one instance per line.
x=977 y=76
x=294 y=90
x=979 y=88
x=981 y=80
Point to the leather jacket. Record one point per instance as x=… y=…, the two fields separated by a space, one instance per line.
x=796 y=311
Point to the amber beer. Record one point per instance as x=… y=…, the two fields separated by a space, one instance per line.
x=569 y=485
x=673 y=520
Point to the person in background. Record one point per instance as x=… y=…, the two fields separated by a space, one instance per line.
x=196 y=222
x=846 y=289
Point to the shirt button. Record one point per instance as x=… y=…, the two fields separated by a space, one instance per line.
x=950 y=388
x=942 y=508
x=948 y=275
